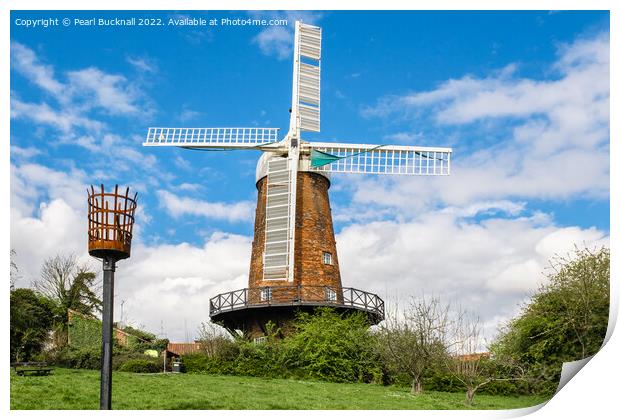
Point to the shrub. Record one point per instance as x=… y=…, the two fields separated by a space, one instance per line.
x=140 y=366
x=87 y=358
x=333 y=347
x=202 y=363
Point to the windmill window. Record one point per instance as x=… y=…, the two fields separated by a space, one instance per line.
x=265 y=294
x=327 y=258
x=330 y=294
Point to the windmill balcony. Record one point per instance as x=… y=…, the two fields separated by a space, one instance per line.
x=301 y=296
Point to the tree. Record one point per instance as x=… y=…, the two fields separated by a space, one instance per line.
x=213 y=339
x=469 y=364
x=565 y=320
x=32 y=316
x=70 y=286
x=416 y=342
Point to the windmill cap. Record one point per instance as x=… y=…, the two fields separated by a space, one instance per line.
x=304 y=165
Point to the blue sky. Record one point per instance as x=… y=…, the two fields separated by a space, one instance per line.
x=521 y=97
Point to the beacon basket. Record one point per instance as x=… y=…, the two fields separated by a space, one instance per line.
x=110 y=223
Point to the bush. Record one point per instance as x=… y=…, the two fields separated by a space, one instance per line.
x=88 y=358
x=333 y=347
x=202 y=363
x=140 y=366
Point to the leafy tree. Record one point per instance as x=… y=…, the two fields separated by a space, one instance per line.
x=565 y=320
x=70 y=286
x=32 y=316
x=414 y=343
x=333 y=347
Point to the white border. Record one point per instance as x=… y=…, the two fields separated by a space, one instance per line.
x=592 y=394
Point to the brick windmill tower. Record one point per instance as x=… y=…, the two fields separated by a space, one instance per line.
x=294 y=263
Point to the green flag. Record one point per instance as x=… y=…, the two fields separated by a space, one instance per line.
x=318 y=158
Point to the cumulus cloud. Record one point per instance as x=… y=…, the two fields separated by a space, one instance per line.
x=488 y=267
x=174 y=283
x=181 y=206
x=554 y=133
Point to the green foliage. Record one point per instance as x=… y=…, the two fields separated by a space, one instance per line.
x=333 y=347
x=203 y=363
x=565 y=320
x=32 y=316
x=140 y=334
x=84 y=332
x=87 y=358
x=141 y=366
x=325 y=346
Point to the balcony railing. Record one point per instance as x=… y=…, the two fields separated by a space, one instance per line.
x=298 y=295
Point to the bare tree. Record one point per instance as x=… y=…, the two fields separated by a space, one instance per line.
x=69 y=285
x=415 y=341
x=14 y=275
x=469 y=364
x=212 y=338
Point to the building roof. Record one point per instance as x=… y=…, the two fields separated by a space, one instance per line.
x=183 y=348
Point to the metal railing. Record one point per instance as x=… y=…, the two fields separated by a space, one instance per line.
x=297 y=295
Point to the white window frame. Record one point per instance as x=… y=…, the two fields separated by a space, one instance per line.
x=330 y=294
x=327 y=258
x=265 y=294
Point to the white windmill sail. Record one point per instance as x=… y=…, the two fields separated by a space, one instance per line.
x=306 y=109
x=212 y=138
x=380 y=159
x=278 y=233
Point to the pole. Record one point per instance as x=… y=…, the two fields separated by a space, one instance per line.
x=105 y=401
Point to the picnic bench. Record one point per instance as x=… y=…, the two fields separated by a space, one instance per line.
x=36 y=368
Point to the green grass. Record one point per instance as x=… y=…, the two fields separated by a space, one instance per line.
x=79 y=389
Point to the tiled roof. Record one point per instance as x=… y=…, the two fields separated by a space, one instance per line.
x=183 y=348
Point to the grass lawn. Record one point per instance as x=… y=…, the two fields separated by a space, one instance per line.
x=79 y=389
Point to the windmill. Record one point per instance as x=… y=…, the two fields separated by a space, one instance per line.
x=294 y=262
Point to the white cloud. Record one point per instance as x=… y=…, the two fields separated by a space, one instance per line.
x=30 y=182
x=187 y=114
x=64 y=119
x=110 y=92
x=142 y=64
x=182 y=206
x=24 y=152
x=555 y=145
x=278 y=40
x=174 y=283
x=488 y=267
x=84 y=90
x=24 y=60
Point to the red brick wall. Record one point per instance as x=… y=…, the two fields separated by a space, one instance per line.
x=314 y=234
